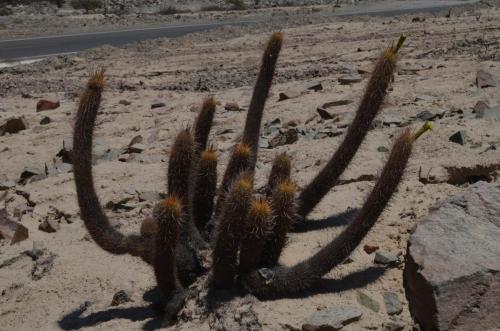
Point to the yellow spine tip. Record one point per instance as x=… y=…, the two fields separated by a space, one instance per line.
x=242 y=150
x=277 y=36
x=287 y=187
x=426 y=127
x=260 y=208
x=172 y=204
x=97 y=78
x=209 y=155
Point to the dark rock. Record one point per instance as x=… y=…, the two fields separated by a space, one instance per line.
x=324 y=114
x=493 y=113
x=136 y=140
x=328 y=132
x=45 y=120
x=157 y=105
x=386 y=257
x=10 y=229
x=12 y=125
x=382 y=149
x=232 y=106
x=428 y=98
x=6 y=183
x=288 y=137
x=30 y=172
x=367 y=301
x=333 y=318
x=136 y=148
x=49 y=225
x=458 y=137
x=452 y=269
x=288 y=95
x=480 y=106
x=336 y=103
x=350 y=79
x=394 y=326
x=426 y=116
x=316 y=88
x=66 y=152
x=486 y=79
x=120 y=297
x=42 y=105
x=392 y=304
x=124 y=102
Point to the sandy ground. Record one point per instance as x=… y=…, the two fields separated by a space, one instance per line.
x=437 y=72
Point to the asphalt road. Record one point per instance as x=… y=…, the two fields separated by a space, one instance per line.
x=12 y=50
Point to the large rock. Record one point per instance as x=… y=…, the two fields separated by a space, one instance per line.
x=452 y=271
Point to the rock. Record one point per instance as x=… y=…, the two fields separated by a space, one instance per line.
x=350 y=79
x=288 y=137
x=426 y=116
x=263 y=142
x=136 y=140
x=392 y=304
x=458 y=137
x=394 y=326
x=288 y=95
x=49 y=225
x=428 y=98
x=333 y=318
x=6 y=183
x=365 y=300
x=124 y=102
x=452 y=269
x=12 y=124
x=493 y=113
x=12 y=230
x=157 y=105
x=480 y=106
x=120 y=297
x=386 y=257
x=370 y=248
x=336 y=103
x=486 y=79
x=30 y=172
x=136 y=148
x=232 y=106
x=388 y=119
x=432 y=175
x=316 y=87
x=45 y=120
x=42 y=105
x=324 y=114
x=65 y=154
x=382 y=149
x=328 y=132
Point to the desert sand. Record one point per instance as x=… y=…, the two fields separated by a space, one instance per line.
x=72 y=283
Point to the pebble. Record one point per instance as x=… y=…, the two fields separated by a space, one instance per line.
x=157 y=105
x=45 y=120
x=350 y=79
x=49 y=226
x=232 y=106
x=392 y=304
x=120 y=297
x=370 y=248
x=486 y=79
x=367 y=301
x=386 y=257
x=493 y=113
x=13 y=125
x=458 y=137
x=42 y=105
x=332 y=318
x=316 y=87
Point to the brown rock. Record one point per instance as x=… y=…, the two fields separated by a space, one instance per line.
x=49 y=226
x=42 y=105
x=232 y=106
x=12 y=125
x=452 y=270
x=10 y=229
x=370 y=248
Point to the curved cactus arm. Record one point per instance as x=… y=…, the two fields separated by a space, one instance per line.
x=203 y=124
x=287 y=280
x=368 y=108
x=91 y=212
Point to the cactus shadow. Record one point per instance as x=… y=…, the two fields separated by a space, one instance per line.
x=152 y=312
x=332 y=221
x=351 y=281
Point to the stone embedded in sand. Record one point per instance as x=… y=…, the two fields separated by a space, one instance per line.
x=49 y=226
x=287 y=137
x=333 y=318
x=486 y=79
x=29 y=172
x=120 y=297
x=288 y=95
x=136 y=148
x=492 y=113
x=157 y=105
x=45 y=120
x=458 y=137
x=42 y=105
x=136 y=140
x=350 y=79
x=316 y=87
x=392 y=304
x=10 y=229
x=124 y=102
x=367 y=301
x=12 y=124
x=386 y=257
x=370 y=248
x=480 y=106
x=324 y=114
x=232 y=106
x=426 y=116
x=452 y=269
x=149 y=196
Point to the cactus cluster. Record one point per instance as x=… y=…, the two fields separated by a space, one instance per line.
x=244 y=233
